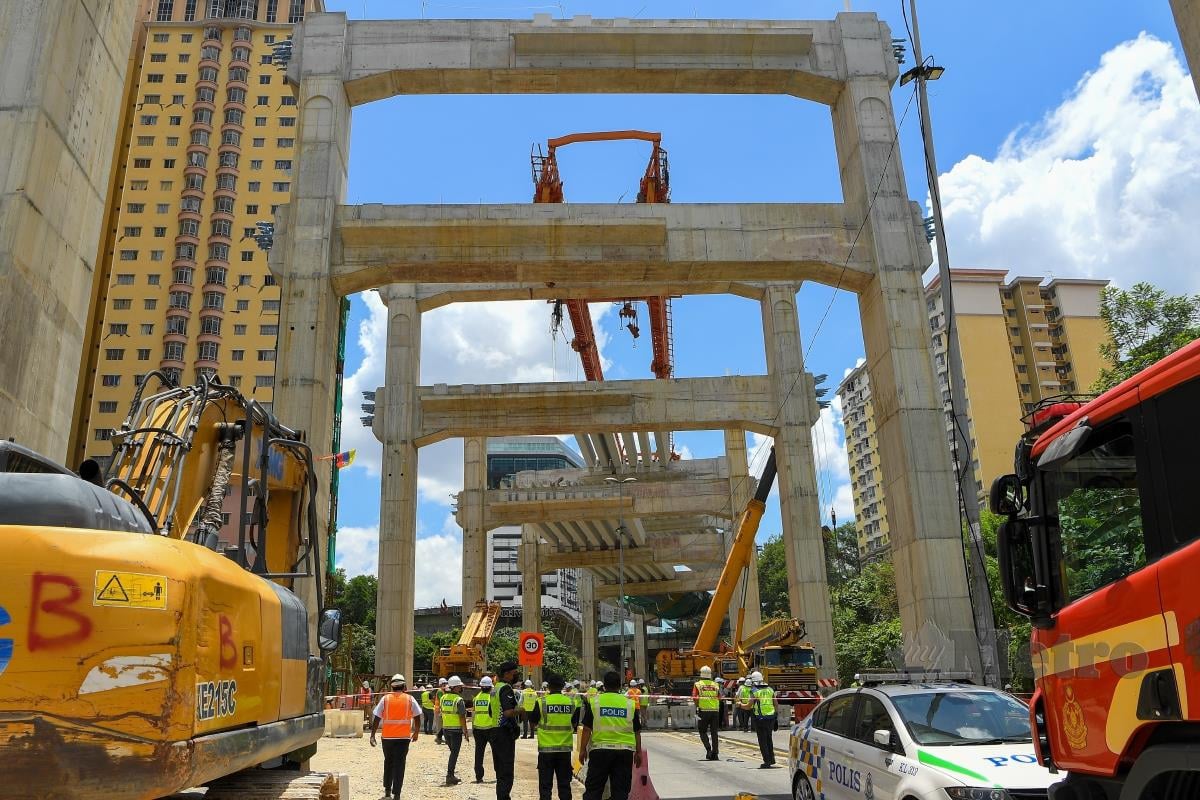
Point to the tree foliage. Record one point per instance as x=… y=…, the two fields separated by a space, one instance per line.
x=773 y=579
x=866 y=620
x=1144 y=324
x=357 y=598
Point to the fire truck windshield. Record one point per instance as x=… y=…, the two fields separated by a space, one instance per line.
x=1092 y=511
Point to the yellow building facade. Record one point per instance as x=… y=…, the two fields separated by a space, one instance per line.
x=1022 y=342
x=205 y=152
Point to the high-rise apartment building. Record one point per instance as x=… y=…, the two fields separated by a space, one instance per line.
x=208 y=142
x=1022 y=341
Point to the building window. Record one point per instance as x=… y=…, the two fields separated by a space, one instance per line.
x=253 y=186
x=145 y=141
x=247 y=255
x=215 y=276
x=168 y=163
x=210 y=326
x=218 y=252
x=242 y=305
x=260 y=142
x=159 y=38
x=268 y=330
x=173 y=351
x=161 y=208
x=155 y=77
x=263 y=80
x=148 y=119
x=103 y=434
x=233 y=116
x=244 y=280
x=208 y=351
x=175 y=121
x=266 y=355
x=110 y=380
x=262 y=100
x=158 y=58
x=255 y=163
x=139 y=186
x=227 y=182
x=149 y=304
x=222 y=227
x=166 y=186
x=179 y=300
x=177 y=325
x=125 y=279
x=183 y=59
x=117 y=354
x=239 y=330
x=281 y=186
x=260 y=122
x=285 y=142
x=108 y=406
x=135 y=208
x=141 y=163
x=264 y=381
x=214 y=300
x=288 y=100
x=129 y=255
x=284 y=164
x=266 y=59
x=143 y=354
x=295 y=11
x=269 y=280
x=287 y=122
x=270 y=306
x=237 y=355
x=118 y=329
x=147 y=328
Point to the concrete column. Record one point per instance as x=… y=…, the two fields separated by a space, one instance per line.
x=799 y=505
x=398 y=487
x=64 y=65
x=640 y=666
x=531 y=590
x=306 y=368
x=740 y=492
x=474 y=558
x=927 y=547
x=587 y=608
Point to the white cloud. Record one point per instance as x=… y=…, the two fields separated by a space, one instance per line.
x=439 y=560
x=1106 y=185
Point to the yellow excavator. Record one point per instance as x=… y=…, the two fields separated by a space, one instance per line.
x=680 y=667
x=468 y=656
x=138 y=654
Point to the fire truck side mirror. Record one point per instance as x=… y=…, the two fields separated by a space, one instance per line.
x=1014 y=551
x=1007 y=496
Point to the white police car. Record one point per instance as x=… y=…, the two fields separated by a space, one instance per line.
x=916 y=741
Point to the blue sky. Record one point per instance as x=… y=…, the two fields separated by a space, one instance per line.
x=1067 y=140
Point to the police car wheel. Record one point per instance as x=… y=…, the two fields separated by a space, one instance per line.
x=801 y=789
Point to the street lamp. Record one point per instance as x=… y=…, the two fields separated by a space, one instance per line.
x=620 y=482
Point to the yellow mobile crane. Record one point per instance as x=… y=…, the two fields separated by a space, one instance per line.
x=138 y=656
x=466 y=658
x=680 y=667
x=787 y=661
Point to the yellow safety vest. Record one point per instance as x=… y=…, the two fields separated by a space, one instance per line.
x=745 y=693
x=708 y=695
x=529 y=699
x=612 y=722
x=486 y=714
x=764 y=701
x=449 y=704
x=591 y=693
x=426 y=701
x=554 y=723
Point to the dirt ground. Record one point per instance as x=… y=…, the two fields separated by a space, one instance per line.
x=425 y=771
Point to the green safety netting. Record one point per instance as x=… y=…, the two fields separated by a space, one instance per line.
x=682 y=605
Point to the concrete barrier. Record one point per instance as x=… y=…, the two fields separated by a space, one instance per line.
x=683 y=718
x=654 y=717
x=344 y=724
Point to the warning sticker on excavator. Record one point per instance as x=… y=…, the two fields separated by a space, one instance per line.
x=130 y=590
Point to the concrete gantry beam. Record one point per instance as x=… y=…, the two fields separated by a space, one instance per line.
x=582 y=55
x=642 y=500
x=551 y=558
x=676 y=245
x=694 y=582
x=554 y=408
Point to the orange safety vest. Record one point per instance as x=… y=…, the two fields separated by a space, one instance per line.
x=397 y=716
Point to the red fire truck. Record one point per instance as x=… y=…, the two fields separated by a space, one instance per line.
x=1101 y=551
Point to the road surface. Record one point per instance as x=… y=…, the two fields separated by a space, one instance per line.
x=678 y=769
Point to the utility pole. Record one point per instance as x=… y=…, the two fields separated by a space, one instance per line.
x=981 y=598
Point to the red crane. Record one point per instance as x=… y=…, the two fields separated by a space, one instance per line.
x=655 y=187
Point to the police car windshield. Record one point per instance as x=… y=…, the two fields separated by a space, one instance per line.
x=963 y=718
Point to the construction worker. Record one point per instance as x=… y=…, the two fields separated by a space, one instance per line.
x=552 y=724
x=706 y=694
x=427 y=705
x=611 y=740
x=437 y=706
x=591 y=692
x=744 y=695
x=454 y=724
x=399 y=712
x=529 y=700
x=633 y=693
x=485 y=718
x=504 y=741
x=364 y=695
x=763 y=708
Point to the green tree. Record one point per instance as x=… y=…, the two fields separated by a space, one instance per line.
x=773 y=579
x=1144 y=324
x=558 y=658
x=841 y=553
x=360 y=600
x=424 y=648
x=866 y=620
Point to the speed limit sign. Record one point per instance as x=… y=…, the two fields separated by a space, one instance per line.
x=531 y=649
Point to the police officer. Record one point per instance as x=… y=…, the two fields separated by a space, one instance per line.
x=427 y=709
x=399 y=712
x=454 y=724
x=611 y=741
x=706 y=694
x=529 y=700
x=504 y=745
x=763 y=708
x=485 y=718
x=552 y=723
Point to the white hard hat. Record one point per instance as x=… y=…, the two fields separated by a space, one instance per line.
x=545 y=685
x=454 y=681
x=398 y=678
x=706 y=671
x=485 y=682
x=441 y=681
x=756 y=677
x=741 y=680
x=528 y=683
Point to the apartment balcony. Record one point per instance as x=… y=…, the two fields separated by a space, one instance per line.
x=170 y=363
x=192 y=169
